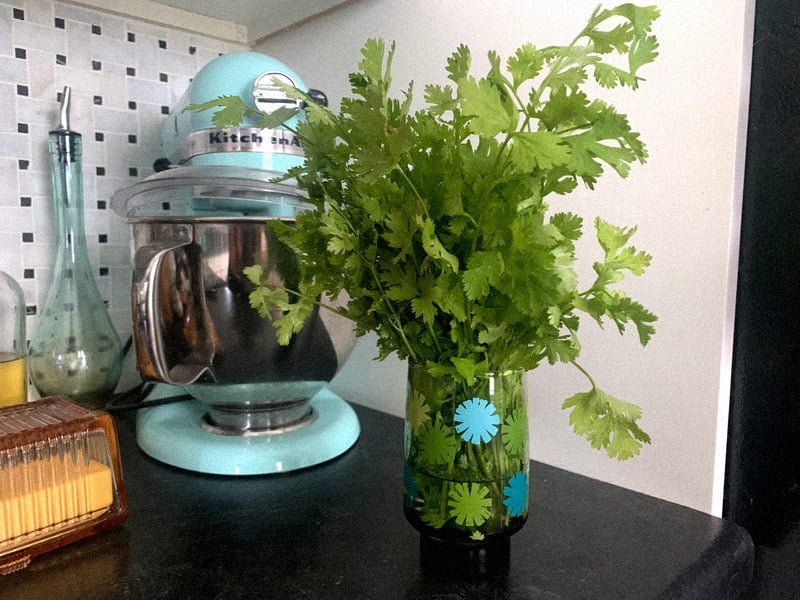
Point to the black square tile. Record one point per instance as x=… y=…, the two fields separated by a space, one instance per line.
x=130 y=71
x=61 y=59
x=163 y=77
x=25 y=201
x=131 y=104
x=30 y=309
x=59 y=23
x=132 y=139
x=165 y=110
x=98 y=100
x=101 y=205
x=96 y=29
x=28 y=274
x=22 y=128
x=165 y=206
x=192 y=50
x=27 y=237
x=102 y=238
x=20 y=53
x=97 y=65
x=23 y=164
x=100 y=171
x=19 y=14
x=103 y=271
x=133 y=172
x=99 y=137
x=162 y=44
x=22 y=90
x=131 y=37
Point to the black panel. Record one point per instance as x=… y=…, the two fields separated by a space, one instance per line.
x=764 y=432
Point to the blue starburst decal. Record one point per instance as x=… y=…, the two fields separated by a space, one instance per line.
x=516 y=493
x=476 y=420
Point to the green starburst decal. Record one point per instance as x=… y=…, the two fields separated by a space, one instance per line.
x=437 y=445
x=417 y=412
x=515 y=431
x=469 y=505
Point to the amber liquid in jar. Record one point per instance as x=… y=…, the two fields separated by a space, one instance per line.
x=13 y=375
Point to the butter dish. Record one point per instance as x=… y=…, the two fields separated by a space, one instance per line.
x=60 y=478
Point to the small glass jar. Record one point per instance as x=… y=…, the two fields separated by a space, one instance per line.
x=13 y=371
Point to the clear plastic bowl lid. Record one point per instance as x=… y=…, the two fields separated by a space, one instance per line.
x=210 y=192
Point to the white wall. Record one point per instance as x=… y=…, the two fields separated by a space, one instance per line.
x=691 y=113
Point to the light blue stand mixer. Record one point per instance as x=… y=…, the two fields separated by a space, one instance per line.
x=258 y=407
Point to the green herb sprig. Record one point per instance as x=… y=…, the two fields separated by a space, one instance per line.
x=435 y=226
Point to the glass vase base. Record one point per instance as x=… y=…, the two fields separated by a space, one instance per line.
x=490 y=558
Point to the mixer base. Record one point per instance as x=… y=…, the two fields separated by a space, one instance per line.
x=173 y=434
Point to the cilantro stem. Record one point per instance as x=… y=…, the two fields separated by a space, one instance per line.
x=585 y=373
x=320 y=303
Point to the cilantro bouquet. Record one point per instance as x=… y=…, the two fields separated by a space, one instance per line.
x=434 y=228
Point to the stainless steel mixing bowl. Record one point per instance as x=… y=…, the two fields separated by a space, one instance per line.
x=194 y=230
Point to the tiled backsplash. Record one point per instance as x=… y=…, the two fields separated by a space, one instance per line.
x=125 y=75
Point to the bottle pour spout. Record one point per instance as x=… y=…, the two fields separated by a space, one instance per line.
x=63 y=115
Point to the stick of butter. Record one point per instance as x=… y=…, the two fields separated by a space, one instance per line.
x=60 y=478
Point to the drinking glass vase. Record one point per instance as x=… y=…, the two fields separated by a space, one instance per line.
x=466 y=456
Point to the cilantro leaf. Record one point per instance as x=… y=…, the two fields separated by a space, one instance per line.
x=607 y=423
x=525 y=64
x=483 y=102
x=458 y=63
x=483 y=269
x=233 y=110
x=540 y=149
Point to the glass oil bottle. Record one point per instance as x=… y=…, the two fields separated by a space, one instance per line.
x=75 y=349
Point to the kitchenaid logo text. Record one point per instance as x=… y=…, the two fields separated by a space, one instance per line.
x=242 y=139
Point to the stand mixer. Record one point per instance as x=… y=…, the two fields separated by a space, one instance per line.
x=257 y=407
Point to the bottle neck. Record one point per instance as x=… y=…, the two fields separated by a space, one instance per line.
x=66 y=165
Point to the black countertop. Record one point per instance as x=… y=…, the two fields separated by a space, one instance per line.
x=338 y=531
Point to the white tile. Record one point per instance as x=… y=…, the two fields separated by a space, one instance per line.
x=41 y=74
x=79 y=51
x=69 y=11
x=113 y=27
x=15 y=145
x=6 y=48
x=37 y=110
x=142 y=29
x=113 y=120
x=114 y=255
x=8 y=176
x=31 y=36
x=143 y=90
x=114 y=90
x=40 y=157
x=119 y=232
x=106 y=186
x=11 y=255
x=178 y=63
x=39 y=12
x=19 y=216
x=146 y=61
x=34 y=183
x=13 y=70
x=112 y=50
x=8 y=116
